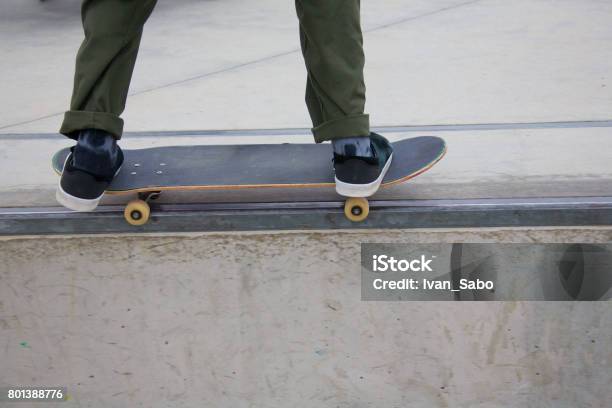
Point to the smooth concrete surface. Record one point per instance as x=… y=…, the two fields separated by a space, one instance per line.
x=275 y=320
x=235 y=64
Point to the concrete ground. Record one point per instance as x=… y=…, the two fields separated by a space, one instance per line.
x=232 y=319
x=236 y=65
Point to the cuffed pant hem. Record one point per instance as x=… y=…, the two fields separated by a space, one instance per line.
x=348 y=126
x=79 y=120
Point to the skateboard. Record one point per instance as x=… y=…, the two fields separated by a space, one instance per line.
x=150 y=172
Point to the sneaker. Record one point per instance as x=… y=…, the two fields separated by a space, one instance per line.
x=88 y=170
x=360 y=173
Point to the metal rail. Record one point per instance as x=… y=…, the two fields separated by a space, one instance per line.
x=393 y=214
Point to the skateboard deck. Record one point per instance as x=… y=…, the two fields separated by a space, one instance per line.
x=233 y=167
x=217 y=167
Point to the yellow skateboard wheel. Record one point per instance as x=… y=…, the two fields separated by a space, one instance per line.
x=137 y=212
x=356 y=209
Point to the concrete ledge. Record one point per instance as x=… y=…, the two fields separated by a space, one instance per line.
x=395 y=214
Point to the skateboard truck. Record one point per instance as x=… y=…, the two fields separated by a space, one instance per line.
x=137 y=212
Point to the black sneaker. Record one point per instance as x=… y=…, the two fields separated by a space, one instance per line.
x=89 y=169
x=359 y=175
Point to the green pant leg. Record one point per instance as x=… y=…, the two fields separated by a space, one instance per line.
x=105 y=63
x=332 y=45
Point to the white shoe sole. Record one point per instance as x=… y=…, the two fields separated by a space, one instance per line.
x=75 y=203
x=362 y=190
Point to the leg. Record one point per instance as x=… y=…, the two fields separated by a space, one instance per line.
x=104 y=64
x=332 y=45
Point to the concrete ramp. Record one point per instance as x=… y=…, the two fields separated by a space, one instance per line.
x=270 y=319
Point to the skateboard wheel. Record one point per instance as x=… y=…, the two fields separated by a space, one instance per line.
x=356 y=209
x=137 y=212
